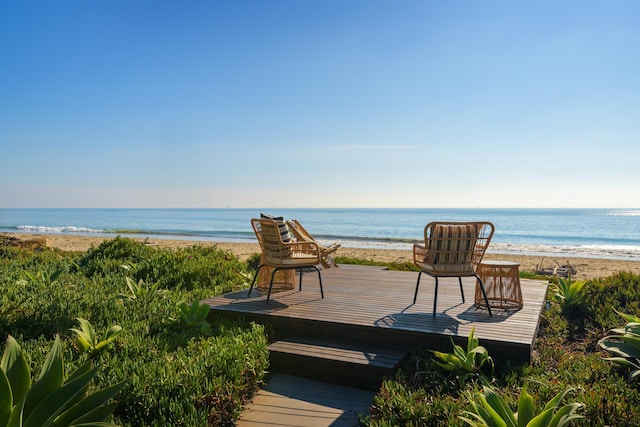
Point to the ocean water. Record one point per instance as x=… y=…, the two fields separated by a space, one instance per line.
x=602 y=233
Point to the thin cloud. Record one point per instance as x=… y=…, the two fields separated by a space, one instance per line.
x=366 y=147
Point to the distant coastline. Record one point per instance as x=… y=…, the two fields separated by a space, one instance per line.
x=588 y=233
x=587 y=268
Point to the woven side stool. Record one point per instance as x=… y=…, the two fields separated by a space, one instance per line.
x=501 y=283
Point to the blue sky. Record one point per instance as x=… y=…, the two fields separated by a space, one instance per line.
x=320 y=103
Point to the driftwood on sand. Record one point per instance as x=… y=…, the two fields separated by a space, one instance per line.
x=564 y=270
x=35 y=242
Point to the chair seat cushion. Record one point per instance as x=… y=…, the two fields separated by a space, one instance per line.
x=447 y=269
x=301 y=261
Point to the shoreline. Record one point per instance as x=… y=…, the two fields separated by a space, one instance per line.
x=586 y=268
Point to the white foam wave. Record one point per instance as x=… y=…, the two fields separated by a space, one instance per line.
x=63 y=229
x=629 y=212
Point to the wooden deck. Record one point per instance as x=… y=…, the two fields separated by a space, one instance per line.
x=374 y=305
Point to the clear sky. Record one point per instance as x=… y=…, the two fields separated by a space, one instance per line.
x=309 y=103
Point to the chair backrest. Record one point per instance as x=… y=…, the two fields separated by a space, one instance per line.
x=299 y=231
x=456 y=247
x=270 y=239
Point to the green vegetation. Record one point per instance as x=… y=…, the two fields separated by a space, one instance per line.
x=130 y=315
x=492 y=410
x=120 y=307
x=50 y=400
x=570 y=295
x=624 y=344
x=194 y=317
x=89 y=342
x=465 y=364
x=393 y=266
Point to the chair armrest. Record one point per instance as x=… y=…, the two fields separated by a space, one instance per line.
x=303 y=246
x=419 y=253
x=309 y=249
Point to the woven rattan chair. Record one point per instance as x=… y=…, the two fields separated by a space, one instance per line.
x=452 y=249
x=280 y=255
x=326 y=252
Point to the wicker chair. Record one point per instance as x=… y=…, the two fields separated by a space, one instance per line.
x=326 y=252
x=452 y=249
x=281 y=255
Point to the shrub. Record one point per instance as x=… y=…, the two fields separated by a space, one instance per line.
x=570 y=295
x=111 y=255
x=194 y=268
x=621 y=291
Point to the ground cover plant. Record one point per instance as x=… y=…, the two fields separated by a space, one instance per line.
x=132 y=312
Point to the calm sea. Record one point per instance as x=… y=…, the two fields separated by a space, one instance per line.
x=608 y=233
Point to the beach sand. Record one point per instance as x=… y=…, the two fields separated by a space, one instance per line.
x=586 y=268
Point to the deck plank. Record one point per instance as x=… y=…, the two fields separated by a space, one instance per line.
x=374 y=304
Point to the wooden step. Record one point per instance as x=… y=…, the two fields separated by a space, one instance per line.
x=350 y=363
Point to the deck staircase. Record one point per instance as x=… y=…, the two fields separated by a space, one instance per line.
x=338 y=361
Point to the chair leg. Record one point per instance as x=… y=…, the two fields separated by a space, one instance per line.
x=255 y=277
x=484 y=294
x=435 y=298
x=273 y=275
x=319 y=280
x=415 y=296
x=461 y=290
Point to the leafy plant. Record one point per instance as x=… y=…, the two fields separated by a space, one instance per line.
x=194 y=317
x=142 y=290
x=49 y=401
x=624 y=344
x=492 y=410
x=569 y=294
x=88 y=341
x=465 y=363
x=44 y=279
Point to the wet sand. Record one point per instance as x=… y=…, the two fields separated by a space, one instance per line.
x=586 y=268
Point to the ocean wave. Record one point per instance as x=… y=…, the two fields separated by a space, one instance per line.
x=629 y=212
x=63 y=229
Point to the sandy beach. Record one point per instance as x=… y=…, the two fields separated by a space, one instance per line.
x=587 y=268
